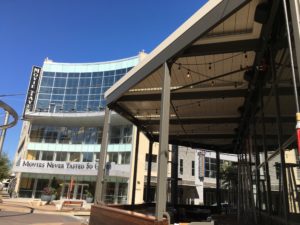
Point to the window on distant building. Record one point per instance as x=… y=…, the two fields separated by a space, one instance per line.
x=61 y=156
x=47 y=155
x=127 y=134
x=113 y=157
x=115 y=135
x=87 y=157
x=33 y=155
x=181 y=167
x=210 y=167
x=125 y=157
x=37 y=133
x=154 y=158
x=51 y=135
x=193 y=168
x=74 y=156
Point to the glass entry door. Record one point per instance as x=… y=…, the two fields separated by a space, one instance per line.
x=77 y=192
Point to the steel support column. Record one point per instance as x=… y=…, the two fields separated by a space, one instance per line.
x=102 y=157
x=161 y=190
x=266 y=165
x=174 y=176
x=279 y=134
x=150 y=156
x=239 y=190
x=136 y=155
x=257 y=170
x=218 y=177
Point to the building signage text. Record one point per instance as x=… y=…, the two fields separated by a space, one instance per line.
x=31 y=94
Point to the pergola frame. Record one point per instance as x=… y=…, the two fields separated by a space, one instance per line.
x=249 y=135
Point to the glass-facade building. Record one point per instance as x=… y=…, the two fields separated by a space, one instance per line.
x=62 y=133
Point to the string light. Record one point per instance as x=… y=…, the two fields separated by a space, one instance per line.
x=246 y=56
x=209 y=67
x=188 y=74
x=212 y=83
x=179 y=66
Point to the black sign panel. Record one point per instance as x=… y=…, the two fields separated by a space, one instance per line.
x=32 y=89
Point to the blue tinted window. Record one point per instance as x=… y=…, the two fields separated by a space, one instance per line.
x=85 y=82
x=74 y=75
x=109 y=73
x=82 y=98
x=96 y=82
x=72 y=91
x=48 y=74
x=61 y=75
x=72 y=83
x=58 y=91
x=83 y=91
x=57 y=97
x=47 y=81
x=86 y=75
x=45 y=90
x=108 y=81
x=97 y=74
x=59 y=82
x=76 y=91
x=44 y=96
x=95 y=91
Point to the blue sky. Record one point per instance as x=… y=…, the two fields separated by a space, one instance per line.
x=77 y=31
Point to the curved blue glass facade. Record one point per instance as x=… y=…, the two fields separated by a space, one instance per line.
x=71 y=87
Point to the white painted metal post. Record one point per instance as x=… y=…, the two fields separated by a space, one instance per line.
x=2 y=137
x=102 y=158
x=161 y=191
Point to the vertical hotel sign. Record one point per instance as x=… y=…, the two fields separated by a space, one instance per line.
x=32 y=89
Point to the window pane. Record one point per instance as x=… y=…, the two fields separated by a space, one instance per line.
x=74 y=156
x=87 y=157
x=47 y=155
x=61 y=156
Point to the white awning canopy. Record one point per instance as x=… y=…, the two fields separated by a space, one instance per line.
x=214 y=57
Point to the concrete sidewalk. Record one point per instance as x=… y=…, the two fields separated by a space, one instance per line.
x=28 y=211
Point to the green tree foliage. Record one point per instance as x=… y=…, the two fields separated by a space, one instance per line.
x=229 y=175
x=4 y=167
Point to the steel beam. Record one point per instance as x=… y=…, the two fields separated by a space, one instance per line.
x=215 y=120
x=198 y=95
x=214 y=136
x=222 y=48
x=102 y=157
x=150 y=157
x=136 y=155
x=161 y=191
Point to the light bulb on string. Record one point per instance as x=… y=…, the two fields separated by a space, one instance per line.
x=212 y=83
x=209 y=67
x=188 y=74
x=179 y=66
x=246 y=56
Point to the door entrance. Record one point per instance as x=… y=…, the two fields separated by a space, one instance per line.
x=77 y=191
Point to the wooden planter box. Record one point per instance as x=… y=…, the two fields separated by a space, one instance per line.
x=105 y=215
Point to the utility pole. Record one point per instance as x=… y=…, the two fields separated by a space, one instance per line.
x=2 y=137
